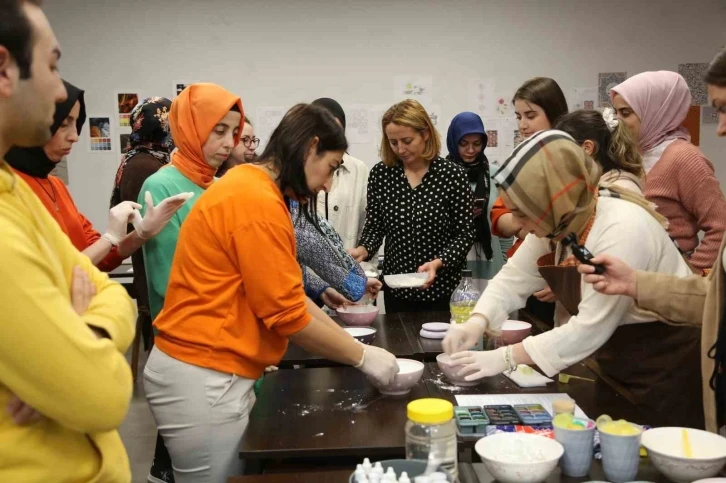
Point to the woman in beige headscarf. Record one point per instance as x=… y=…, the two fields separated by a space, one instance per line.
x=550 y=184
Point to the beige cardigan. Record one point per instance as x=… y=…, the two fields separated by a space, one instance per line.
x=693 y=300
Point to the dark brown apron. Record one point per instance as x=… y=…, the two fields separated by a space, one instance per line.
x=655 y=365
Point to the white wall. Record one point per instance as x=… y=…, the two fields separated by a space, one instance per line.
x=279 y=52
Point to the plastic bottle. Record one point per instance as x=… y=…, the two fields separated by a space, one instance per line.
x=431 y=432
x=463 y=301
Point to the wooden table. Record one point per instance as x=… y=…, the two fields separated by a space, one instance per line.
x=391 y=336
x=325 y=413
x=468 y=473
x=306 y=416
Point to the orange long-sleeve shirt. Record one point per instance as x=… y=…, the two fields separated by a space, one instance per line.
x=498 y=209
x=235 y=292
x=57 y=200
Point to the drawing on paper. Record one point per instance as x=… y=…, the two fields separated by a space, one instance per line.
x=125 y=103
x=412 y=89
x=100 y=133
x=693 y=74
x=503 y=107
x=608 y=80
x=492 y=139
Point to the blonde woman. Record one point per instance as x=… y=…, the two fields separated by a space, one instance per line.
x=422 y=206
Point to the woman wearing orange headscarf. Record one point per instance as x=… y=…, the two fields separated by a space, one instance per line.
x=206 y=121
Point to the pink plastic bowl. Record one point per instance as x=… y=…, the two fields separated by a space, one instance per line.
x=358 y=315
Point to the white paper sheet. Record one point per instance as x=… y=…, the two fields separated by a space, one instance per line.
x=535 y=379
x=358 y=124
x=545 y=400
x=585 y=98
x=482 y=97
x=417 y=87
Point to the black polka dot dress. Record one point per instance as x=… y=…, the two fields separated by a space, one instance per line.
x=433 y=220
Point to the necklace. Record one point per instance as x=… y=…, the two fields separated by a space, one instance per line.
x=54 y=197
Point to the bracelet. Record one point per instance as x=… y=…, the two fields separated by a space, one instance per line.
x=509 y=359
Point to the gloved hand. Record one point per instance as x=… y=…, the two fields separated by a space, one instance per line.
x=118 y=218
x=158 y=216
x=478 y=364
x=464 y=336
x=378 y=364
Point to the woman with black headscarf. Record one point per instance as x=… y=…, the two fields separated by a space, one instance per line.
x=34 y=166
x=466 y=141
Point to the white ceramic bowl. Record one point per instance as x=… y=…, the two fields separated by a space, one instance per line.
x=515 y=331
x=665 y=449
x=502 y=455
x=444 y=362
x=409 y=374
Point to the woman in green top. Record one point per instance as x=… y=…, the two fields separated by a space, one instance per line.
x=202 y=111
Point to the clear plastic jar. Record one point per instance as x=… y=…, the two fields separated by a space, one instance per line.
x=431 y=430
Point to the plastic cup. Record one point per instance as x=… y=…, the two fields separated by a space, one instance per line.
x=578 y=444
x=620 y=452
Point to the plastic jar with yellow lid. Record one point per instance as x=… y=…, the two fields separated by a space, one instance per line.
x=431 y=430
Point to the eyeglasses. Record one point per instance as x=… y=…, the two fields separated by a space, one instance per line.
x=250 y=142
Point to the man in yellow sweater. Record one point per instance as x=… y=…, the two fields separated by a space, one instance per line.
x=65 y=385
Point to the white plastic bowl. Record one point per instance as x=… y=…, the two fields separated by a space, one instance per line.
x=665 y=449
x=406 y=280
x=500 y=454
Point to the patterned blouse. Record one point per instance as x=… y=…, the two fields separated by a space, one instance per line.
x=433 y=220
x=324 y=260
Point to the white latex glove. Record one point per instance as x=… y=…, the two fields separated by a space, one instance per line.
x=464 y=336
x=158 y=216
x=478 y=364
x=118 y=218
x=378 y=364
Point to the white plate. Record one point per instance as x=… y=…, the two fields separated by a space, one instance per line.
x=431 y=335
x=406 y=280
x=436 y=326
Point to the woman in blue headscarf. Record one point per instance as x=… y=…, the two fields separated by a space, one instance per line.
x=466 y=141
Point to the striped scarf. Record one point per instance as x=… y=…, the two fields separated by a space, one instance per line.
x=552 y=181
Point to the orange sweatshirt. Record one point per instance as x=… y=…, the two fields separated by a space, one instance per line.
x=235 y=292
x=57 y=199
x=498 y=209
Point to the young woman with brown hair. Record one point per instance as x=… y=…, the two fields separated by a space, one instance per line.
x=694 y=300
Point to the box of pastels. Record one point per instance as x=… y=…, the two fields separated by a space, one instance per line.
x=471 y=420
